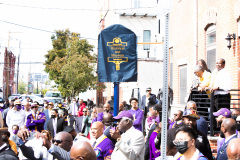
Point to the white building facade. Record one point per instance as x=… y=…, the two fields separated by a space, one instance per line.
x=141 y=17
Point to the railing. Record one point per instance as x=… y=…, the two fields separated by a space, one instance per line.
x=206 y=106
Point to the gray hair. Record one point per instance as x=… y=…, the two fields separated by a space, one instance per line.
x=198 y=68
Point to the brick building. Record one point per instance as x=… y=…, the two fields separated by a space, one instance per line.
x=197 y=31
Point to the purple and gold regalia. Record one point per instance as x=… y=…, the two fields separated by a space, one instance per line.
x=153 y=152
x=104 y=149
x=137 y=117
x=35 y=122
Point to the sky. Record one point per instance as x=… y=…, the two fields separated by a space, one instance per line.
x=26 y=27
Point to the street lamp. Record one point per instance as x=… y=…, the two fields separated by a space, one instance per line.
x=229 y=38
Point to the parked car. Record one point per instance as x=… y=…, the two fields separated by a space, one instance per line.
x=53 y=96
x=33 y=97
x=39 y=95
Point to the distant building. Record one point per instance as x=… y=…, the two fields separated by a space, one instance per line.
x=140 y=17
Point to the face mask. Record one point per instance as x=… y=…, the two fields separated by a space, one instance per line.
x=222 y=134
x=4 y=138
x=238 y=127
x=19 y=107
x=15 y=131
x=1 y=105
x=45 y=105
x=53 y=116
x=182 y=147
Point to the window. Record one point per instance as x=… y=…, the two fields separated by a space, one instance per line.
x=146 y=38
x=136 y=3
x=211 y=47
x=183 y=84
x=171 y=67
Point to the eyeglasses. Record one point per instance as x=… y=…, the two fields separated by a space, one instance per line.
x=176 y=141
x=58 y=141
x=34 y=107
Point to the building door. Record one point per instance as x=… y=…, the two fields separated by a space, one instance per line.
x=183 y=84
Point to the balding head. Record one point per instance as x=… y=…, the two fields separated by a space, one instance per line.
x=107 y=119
x=229 y=125
x=233 y=149
x=63 y=140
x=84 y=150
x=97 y=129
x=106 y=107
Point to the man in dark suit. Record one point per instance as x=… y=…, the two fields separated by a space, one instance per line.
x=83 y=123
x=148 y=100
x=55 y=124
x=228 y=131
x=47 y=112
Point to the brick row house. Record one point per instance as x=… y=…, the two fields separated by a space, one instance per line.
x=197 y=31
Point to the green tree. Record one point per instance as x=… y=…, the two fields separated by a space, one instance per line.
x=70 y=63
x=22 y=87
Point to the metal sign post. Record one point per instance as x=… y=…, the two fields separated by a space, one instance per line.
x=165 y=92
x=116 y=98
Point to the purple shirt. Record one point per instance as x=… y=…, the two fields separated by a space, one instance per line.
x=104 y=148
x=138 y=116
x=36 y=123
x=173 y=124
x=153 y=152
x=100 y=116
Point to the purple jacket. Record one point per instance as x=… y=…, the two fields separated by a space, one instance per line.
x=138 y=117
x=153 y=152
x=36 y=123
x=100 y=116
x=104 y=148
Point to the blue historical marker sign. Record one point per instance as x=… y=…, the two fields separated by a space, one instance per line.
x=117 y=55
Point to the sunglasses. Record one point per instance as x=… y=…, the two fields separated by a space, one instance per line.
x=84 y=111
x=58 y=141
x=34 y=107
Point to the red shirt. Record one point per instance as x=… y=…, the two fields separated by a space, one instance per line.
x=80 y=111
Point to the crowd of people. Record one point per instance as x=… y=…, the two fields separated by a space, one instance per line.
x=79 y=131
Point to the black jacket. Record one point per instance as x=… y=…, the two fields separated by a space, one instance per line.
x=60 y=125
x=202 y=143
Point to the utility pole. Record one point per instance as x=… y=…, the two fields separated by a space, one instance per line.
x=18 y=66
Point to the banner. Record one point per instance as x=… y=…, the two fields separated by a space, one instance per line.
x=117 y=55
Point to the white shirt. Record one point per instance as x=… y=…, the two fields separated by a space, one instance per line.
x=221 y=79
x=54 y=125
x=74 y=109
x=130 y=147
x=84 y=117
x=15 y=117
x=194 y=157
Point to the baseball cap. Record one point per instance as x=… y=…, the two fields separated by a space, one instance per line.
x=190 y=113
x=123 y=114
x=149 y=89
x=17 y=102
x=224 y=112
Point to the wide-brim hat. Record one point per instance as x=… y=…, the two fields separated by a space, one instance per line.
x=190 y=113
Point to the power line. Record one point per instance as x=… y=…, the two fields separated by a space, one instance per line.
x=75 y=9
x=38 y=29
